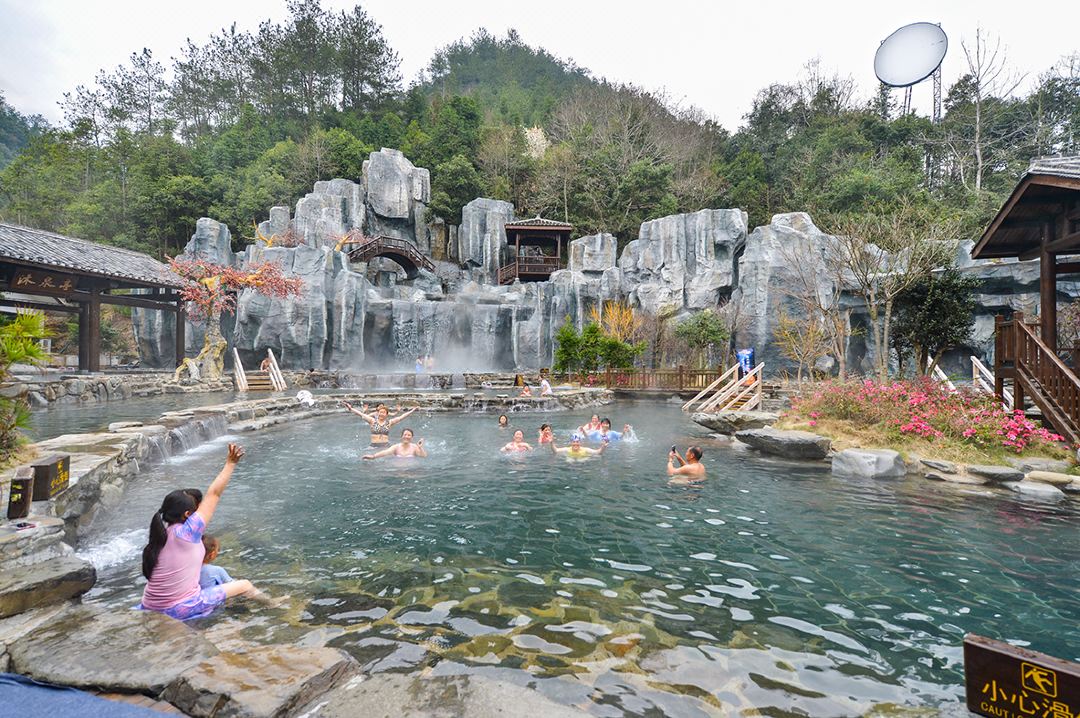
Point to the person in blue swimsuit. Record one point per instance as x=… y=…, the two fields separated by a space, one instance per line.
x=606 y=434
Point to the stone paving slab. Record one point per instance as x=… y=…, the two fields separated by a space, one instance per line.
x=121 y=650
x=44 y=583
x=264 y=682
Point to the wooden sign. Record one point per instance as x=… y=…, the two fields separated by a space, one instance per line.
x=51 y=476
x=1005 y=681
x=22 y=488
x=32 y=281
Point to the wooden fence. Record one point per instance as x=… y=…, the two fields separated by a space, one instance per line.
x=678 y=379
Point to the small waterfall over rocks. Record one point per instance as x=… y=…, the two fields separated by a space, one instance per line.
x=188 y=435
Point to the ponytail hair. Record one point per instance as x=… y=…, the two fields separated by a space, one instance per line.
x=173 y=508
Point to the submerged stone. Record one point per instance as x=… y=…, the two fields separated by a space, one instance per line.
x=436 y=697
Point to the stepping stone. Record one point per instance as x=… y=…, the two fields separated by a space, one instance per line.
x=265 y=682
x=44 y=583
x=946 y=467
x=1035 y=488
x=122 y=650
x=869 y=464
x=1050 y=477
x=996 y=473
x=786 y=443
x=955 y=478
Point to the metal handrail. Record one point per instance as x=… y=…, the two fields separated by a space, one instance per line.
x=238 y=372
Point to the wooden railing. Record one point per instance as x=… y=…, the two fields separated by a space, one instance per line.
x=238 y=372
x=678 y=379
x=938 y=374
x=982 y=378
x=528 y=265
x=1036 y=369
x=706 y=393
x=740 y=393
x=368 y=248
x=276 y=377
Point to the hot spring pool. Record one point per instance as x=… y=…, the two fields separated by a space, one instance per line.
x=774 y=586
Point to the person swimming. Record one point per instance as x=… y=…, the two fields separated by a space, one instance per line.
x=690 y=469
x=606 y=434
x=592 y=425
x=504 y=423
x=404 y=449
x=546 y=435
x=576 y=452
x=517 y=444
x=380 y=422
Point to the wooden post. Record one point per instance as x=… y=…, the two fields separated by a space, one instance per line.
x=84 y=337
x=1048 y=291
x=682 y=371
x=180 y=338
x=94 y=330
x=607 y=378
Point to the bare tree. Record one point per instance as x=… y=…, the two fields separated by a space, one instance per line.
x=816 y=286
x=885 y=253
x=991 y=79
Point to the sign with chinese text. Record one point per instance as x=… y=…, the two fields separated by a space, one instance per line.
x=29 y=280
x=51 y=476
x=22 y=487
x=1010 y=682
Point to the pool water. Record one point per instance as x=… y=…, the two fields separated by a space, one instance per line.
x=774 y=587
x=63 y=418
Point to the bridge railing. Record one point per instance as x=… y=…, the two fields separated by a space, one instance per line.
x=678 y=379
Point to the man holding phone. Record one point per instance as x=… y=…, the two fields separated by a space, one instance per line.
x=689 y=469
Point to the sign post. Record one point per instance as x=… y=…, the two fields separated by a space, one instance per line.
x=1005 y=681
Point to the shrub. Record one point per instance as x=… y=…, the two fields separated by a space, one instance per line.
x=924 y=409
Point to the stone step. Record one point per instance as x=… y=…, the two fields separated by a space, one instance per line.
x=44 y=583
x=22 y=547
x=263 y=682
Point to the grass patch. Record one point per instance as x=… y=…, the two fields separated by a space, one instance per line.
x=851 y=435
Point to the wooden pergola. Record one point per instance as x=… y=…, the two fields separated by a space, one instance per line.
x=1040 y=220
x=536 y=247
x=50 y=272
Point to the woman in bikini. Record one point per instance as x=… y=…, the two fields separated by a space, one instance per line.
x=381 y=422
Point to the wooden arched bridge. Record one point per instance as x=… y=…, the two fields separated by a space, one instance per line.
x=402 y=251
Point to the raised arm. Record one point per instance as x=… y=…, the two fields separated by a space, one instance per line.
x=366 y=417
x=217 y=486
x=402 y=415
x=420 y=450
x=385 y=452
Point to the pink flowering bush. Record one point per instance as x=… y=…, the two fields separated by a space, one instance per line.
x=923 y=409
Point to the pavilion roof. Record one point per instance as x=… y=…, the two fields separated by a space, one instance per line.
x=538 y=222
x=48 y=250
x=1049 y=187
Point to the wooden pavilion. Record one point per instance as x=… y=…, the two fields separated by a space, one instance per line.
x=536 y=249
x=1040 y=220
x=50 y=272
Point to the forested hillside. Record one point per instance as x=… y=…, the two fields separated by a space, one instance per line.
x=255 y=116
x=15 y=131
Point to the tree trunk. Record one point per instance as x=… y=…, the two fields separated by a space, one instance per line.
x=883 y=369
x=211 y=359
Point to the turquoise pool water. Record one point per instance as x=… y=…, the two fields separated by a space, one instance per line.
x=774 y=587
x=97 y=415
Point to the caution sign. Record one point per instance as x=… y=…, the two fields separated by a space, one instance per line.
x=1010 y=682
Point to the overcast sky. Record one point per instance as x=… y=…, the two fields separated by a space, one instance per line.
x=715 y=55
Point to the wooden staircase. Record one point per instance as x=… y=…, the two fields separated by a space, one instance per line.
x=259 y=381
x=270 y=380
x=730 y=392
x=1038 y=374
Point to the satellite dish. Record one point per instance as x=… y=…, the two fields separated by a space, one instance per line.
x=911 y=54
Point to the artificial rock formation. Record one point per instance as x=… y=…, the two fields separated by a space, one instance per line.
x=481 y=239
